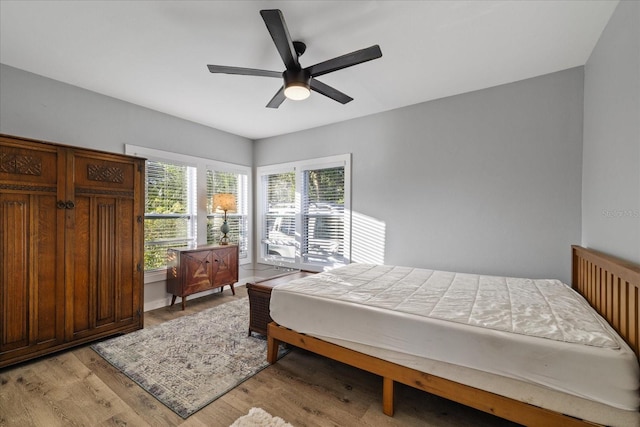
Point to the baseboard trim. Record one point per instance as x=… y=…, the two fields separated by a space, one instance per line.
x=166 y=302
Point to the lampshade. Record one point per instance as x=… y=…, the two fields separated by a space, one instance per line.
x=224 y=202
x=297 y=92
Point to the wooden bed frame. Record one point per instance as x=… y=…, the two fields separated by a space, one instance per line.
x=609 y=284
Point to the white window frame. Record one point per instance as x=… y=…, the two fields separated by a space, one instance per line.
x=298 y=167
x=201 y=164
x=240 y=170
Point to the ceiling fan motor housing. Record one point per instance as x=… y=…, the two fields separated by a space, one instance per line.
x=297 y=82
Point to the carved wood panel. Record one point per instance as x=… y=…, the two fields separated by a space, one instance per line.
x=31 y=295
x=48 y=271
x=105 y=173
x=14 y=278
x=106 y=281
x=82 y=256
x=20 y=164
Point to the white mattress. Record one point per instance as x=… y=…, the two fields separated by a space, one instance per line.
x=538 y=332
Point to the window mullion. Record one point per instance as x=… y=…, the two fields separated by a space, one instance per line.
x=200 y=196
x=299 y=205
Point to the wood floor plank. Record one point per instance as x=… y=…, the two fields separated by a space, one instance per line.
x=137 y=399
x=223 y=411
x=121 y=419
x=16 y=402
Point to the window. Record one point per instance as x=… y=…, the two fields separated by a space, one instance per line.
x=170 y=210
x=238 y=185
x=323 y=216
x=178 y=204
x=279 y=232
x=304 y=211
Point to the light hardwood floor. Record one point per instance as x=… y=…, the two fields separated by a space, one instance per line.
x=79 y=388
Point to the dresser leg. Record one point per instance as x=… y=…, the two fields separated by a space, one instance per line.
x=184 y=302
x=173 y=300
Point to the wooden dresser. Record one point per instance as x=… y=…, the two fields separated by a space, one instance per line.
x=196 y=269
x=71 y=246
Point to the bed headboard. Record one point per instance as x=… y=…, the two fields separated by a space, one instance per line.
x=612 y=287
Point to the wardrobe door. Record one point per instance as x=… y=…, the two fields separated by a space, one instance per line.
x=106 y=283
x=31 y=248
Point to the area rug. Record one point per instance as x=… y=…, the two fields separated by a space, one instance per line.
x=258 y=417
x=189 y=362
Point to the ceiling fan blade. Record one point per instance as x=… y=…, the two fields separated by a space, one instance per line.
x=243 y=71
x=329 y=92
x=274 y=21
x=277 y=99
x=344 y=61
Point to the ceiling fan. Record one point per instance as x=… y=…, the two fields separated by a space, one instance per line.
x=298 y=81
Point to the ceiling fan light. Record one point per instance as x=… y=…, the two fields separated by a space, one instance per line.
x=297 y=91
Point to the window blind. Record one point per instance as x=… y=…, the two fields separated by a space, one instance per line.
x=170 y=208
x=323 y=210
x=279 y=220
x=238 y=185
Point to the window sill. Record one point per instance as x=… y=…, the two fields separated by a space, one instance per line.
x=155 y=276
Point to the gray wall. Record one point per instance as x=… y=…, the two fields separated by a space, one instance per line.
x=611 y=171
x=36 y=107
x=486 y=182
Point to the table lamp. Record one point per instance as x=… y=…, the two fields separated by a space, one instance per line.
x=224 y=202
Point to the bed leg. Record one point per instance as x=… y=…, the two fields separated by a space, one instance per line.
x=273 y=346
x=387 y=396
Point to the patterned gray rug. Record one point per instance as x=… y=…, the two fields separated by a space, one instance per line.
x=189 y=362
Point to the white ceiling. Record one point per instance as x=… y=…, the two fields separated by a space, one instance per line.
x=154 y=53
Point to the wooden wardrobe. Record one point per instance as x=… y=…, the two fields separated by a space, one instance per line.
x=71 y=246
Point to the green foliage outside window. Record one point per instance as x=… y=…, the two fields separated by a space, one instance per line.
x=167 y=219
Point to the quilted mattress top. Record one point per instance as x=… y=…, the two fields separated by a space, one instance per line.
x=541 y=308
